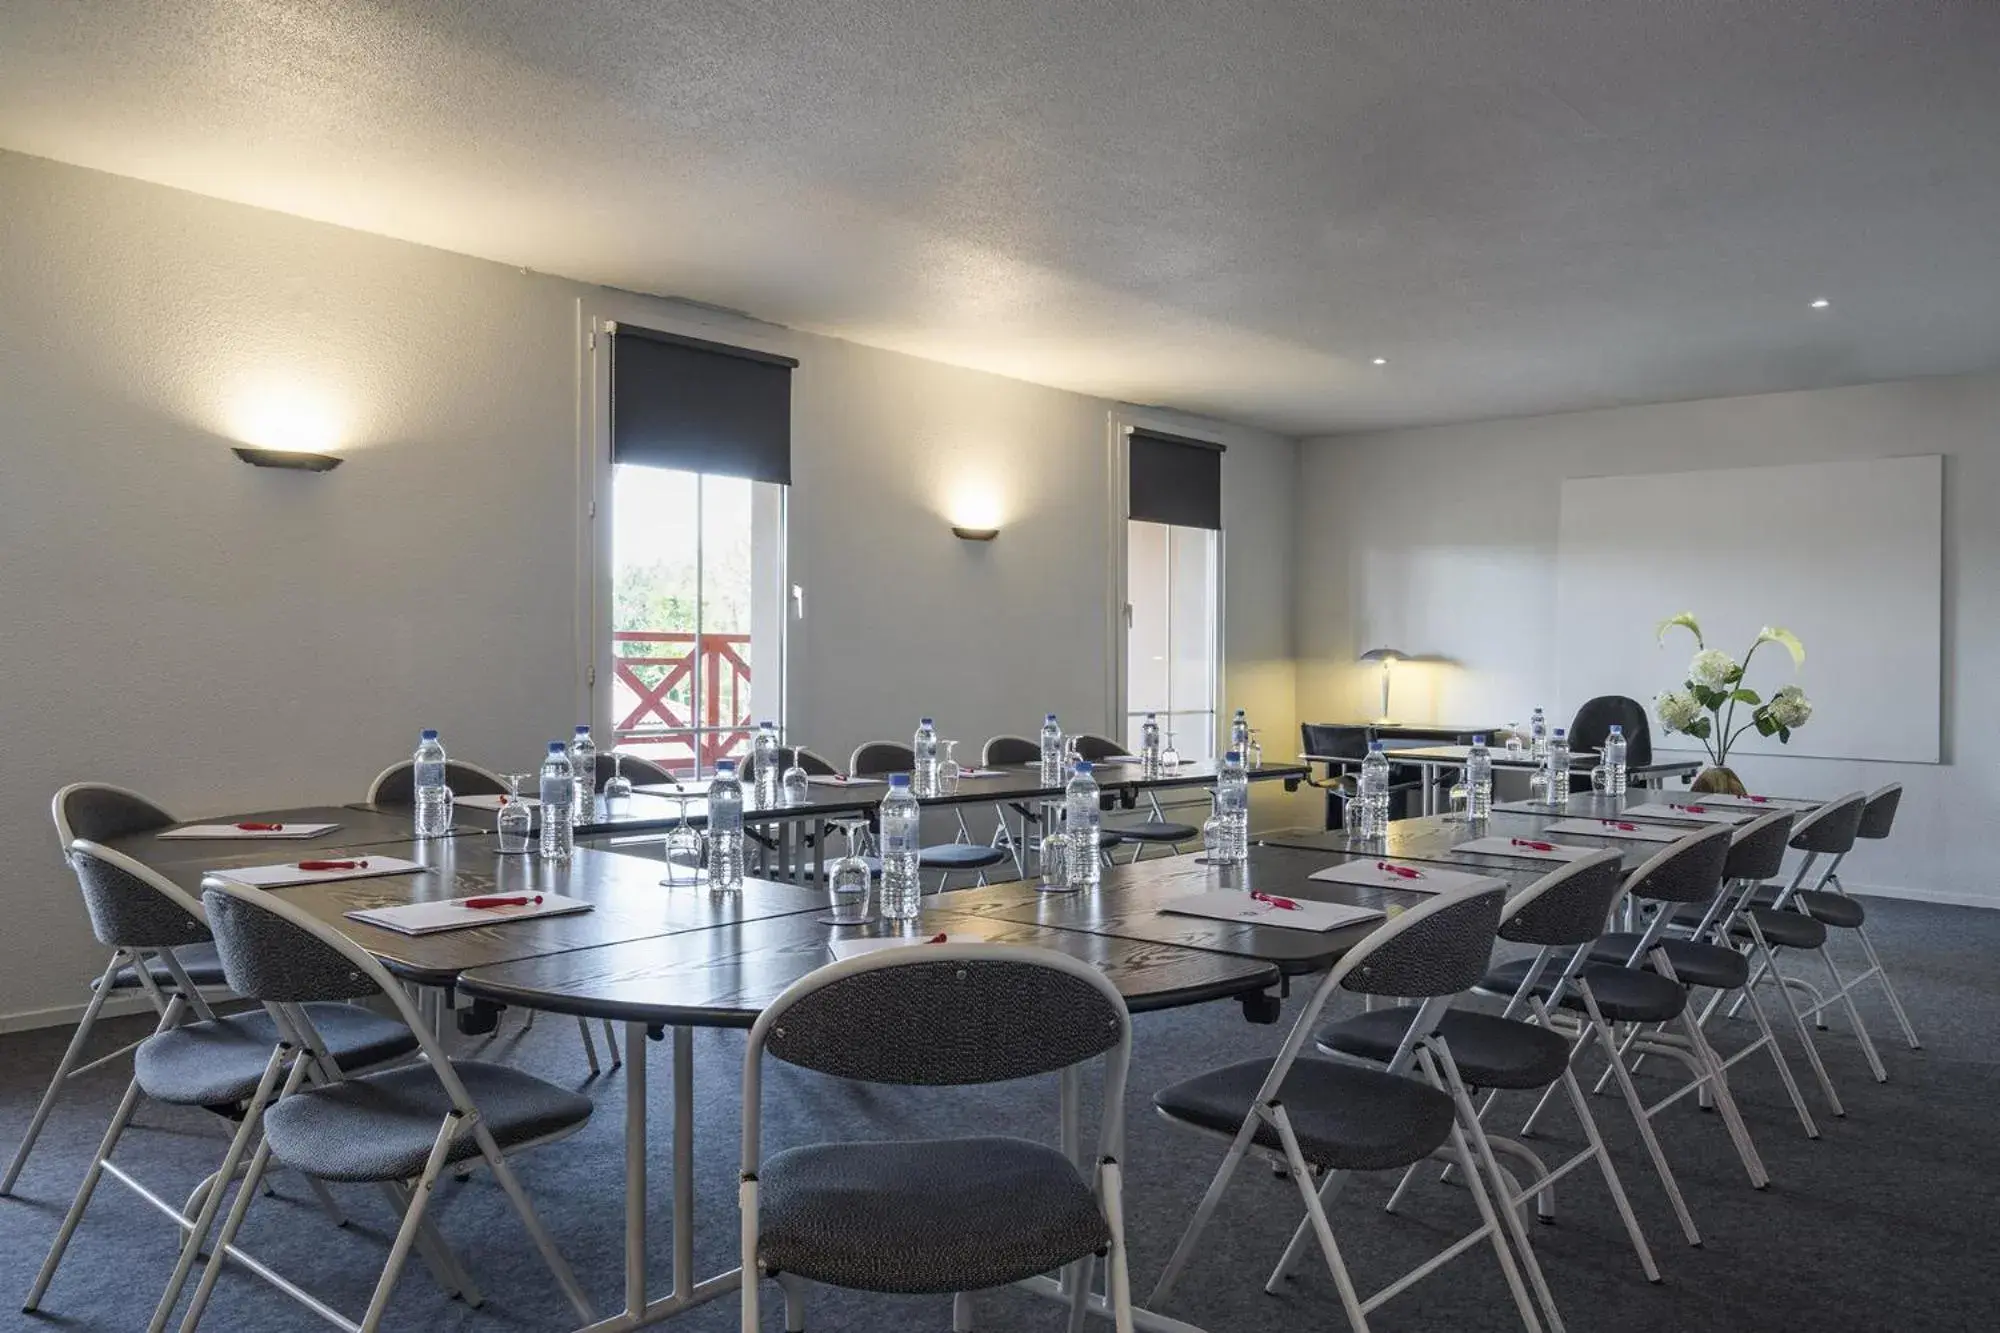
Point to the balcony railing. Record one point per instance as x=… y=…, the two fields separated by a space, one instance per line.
x=677 y=696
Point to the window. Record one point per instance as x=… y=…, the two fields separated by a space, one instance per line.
x=1173 y=589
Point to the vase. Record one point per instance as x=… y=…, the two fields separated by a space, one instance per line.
x=1719 y=781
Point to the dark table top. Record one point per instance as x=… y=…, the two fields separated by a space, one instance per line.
x=1583 y=759
x=360 y=826
x=628 y=901
x=725 y=977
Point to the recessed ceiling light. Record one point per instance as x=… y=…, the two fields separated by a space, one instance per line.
x=1821 y=303
x=1381 y=360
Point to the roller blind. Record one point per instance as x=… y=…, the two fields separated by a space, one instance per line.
x=1175 y=480
x=698 y=406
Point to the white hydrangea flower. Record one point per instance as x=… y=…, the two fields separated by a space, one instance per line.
x=1711 y=667
x=1677 y=709
x=1790 y=708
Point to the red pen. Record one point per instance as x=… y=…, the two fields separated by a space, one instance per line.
x=1620 y=825
x=1282 y=904
x=940 y=938
x=1404 y=871
x=501 y=902
x=1757 y=800
x=1532 y=845
x=1693 y=809
x=249 y=827
x=333 y=865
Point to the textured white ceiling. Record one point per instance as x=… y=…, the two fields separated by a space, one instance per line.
x=1525 y=205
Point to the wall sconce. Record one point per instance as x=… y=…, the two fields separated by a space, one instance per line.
x=295 y=460
x=974 y=534
x=1388 y=657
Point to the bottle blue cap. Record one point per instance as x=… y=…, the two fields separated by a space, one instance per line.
x=725 y=767
x=557 y=747
x=1479 y=738
x=583 y=728
x=1233 y=757
x=899 y=780
x=1374 y=746
x=923 y=722
x=429 y=734
x=1560 y=732
x=1151 y=716
x=1083 y=768
x=1617 y=730
x=768 y=726
x=1048 y=717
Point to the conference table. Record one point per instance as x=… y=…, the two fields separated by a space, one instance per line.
x=1434 y=761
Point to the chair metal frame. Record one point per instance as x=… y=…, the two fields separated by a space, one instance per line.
x=1077 y=1283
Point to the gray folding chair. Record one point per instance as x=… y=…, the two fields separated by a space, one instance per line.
x=1341 y=1118
x=99 y=811
x=937 y=1216
x=1157 y=830
x=397 y=784
x=224 y=1064
x=962 y=856
x=402 y=1128
x=638 y=769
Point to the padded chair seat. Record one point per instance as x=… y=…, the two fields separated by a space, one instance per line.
x=1785 y=928
x=1491 y=1051
x=200 y=961
x=1156 y=831
x=382 y=1126
x=1694 y=964
x=960 y=856
x=1835 y=909
x=1624 y=994
x=924 y=1217
x=219 y=1061
x=1346 y=1118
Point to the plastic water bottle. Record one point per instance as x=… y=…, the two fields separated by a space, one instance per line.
x=765 y=759
x=725 y=827
x=583 y=772
x=558 y=795
x=1052 y=752
x=1478 y=781
x=1538 y=737
x=1149 y=747
x=1239 y=732
x=1374 y=792
x=923 y=772
x=1232 y=809
x=433 y=796
x=900 y=817
x=1615 y=750
x=1558 y=766
x=1082 y=818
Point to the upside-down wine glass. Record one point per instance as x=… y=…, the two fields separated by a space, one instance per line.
x=683 y=849
x=850 y=881
x=618 y=787
x=515 y=820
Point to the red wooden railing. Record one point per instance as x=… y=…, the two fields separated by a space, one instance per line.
x=644 y=712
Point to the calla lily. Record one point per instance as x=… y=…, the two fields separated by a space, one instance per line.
x=1687 y=621
x=1771 y=634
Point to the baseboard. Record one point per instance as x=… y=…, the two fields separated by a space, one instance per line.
x=1917 y=894
x=66 y=1015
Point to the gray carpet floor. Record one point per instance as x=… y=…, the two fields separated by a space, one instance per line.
x=1885 y=1223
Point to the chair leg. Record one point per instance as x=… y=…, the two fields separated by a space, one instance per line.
x=1640 y=1119
x=1805 y=1038
x=231 y=1224
x=611 y=1045
x=1854 y=1017
x=71 y=1054
x=747 y=1320
x=1323 y=1229
x=1717 y=1080
x=406 y=1234
x=1477 y=1187
x=1118 y=1281
x=544 y=1243
x=795 y=1303
x=589 y=1043
x=1184 y=1251
x=961 y=1311
x=119 y=1120
x=1881 y=975
x=1609 y=1170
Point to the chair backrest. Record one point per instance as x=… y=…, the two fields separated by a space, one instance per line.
x=1568 y=905
x=1688 y=871
x=1334 y=741
x=1094 y=748
x=1435 y=949
x=266 y=957
x=1593 y=722
x=814 y=765
x=397 y=784
x=100 y=812
x=1831 y=828
x=1757 y=849
x=1880 y=813
x=638 y=769
x=879 y=757
x=1010 y=750
x=131 y=905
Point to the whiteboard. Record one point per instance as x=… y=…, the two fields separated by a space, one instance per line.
x=1848 y=556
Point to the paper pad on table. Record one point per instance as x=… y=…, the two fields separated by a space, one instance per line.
x=289 y=873
x=494 y=802
x=452 y=914
x=1302 y=914
x=1428 y=879
x=1766 y=804
x=233 y=831
x=982 y=773
x=1608 y=828
x=1558 y=851
x=1695 y=812
x=1528 y=807
x=832 y=780
x=846 y=949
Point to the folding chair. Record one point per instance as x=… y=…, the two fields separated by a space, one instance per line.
x=962 y=856
x=402 y=1128
x=1340 y=1117
x=938 y=1216
x=1157 y=830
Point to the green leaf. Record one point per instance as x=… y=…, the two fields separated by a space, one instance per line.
x=1685 y=620
x=1765 y=725
x=1746 y=697
x=1771 y=634
x=1785 y=735
x=1733 y=676
x=1700 y=729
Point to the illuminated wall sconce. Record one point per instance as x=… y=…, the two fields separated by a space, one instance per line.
x=974 y=534
x=293 y=459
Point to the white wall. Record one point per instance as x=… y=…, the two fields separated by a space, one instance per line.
x=222 y=637
x=1444 y=541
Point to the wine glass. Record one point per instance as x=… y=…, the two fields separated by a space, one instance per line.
x=1460 y=797
x=1513 y=740
x=948 y=770
x=1253 y=751
x=618 y=787
x=515 y=820
x=850 y=881
x=1171 y=756
x=793 y=788
x=1055 y=851
x=1213 y=836
x=683 y=851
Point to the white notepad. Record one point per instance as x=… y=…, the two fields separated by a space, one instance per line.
x=1610 y=828
x=1557 y=851
x=234 y=831
x=494 y=802
x=1428 y=879
x=833 y=780
x=846 y=949
x=453 y=914
x=1694 y=812
x=1766 y=804
x=1270 y=910
x=290 y=873
x=981 y=773
x=1528 y=807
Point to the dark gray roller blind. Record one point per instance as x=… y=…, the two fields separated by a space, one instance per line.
x=1175 y=480
x=698 y=406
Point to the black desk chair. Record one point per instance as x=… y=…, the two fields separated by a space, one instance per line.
x=1328 y=741
x=1593 y=722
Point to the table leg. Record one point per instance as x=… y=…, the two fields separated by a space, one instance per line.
x=635 y=1168
x=683 y=1163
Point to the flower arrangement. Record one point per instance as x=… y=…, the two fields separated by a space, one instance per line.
x=1705 y=707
